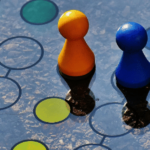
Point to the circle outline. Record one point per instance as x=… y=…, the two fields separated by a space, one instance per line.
x=34 y=111
x=19 y=95
x=21 y=14
x=106 y=135
x=92 y=145
x=42 y=52
x=30 y=140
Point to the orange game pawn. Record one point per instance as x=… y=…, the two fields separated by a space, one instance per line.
x=76 y=58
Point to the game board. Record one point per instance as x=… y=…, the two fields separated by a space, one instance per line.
x=29 y=50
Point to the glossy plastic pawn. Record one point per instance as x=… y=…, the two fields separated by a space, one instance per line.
x=133 y=73
x=133 y=70
x=76 y=59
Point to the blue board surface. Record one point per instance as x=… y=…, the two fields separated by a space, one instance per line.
x=22 y=89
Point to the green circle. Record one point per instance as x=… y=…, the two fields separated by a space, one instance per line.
x=39 y=11
x=30 y=145
x=52 y=110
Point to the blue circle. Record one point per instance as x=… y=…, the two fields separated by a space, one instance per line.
x=19 y=95
x=39 y=44
x=92 y=146
x=102 y=134
x=131 y=37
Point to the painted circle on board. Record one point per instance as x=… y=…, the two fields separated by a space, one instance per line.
x=13 y=90
x=20 y=52
x=92 y=146
x=39 y=12
x=30 y=145
x=52 y=110
x=106 y=126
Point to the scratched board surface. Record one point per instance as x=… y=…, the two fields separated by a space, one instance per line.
x=29 y=49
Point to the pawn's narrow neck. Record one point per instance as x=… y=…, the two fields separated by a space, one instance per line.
x=74 y=41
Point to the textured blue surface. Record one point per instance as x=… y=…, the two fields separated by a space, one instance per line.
x=133 y=70
x=18 y=123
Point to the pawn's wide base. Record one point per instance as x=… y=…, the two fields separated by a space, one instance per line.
x=135 y=112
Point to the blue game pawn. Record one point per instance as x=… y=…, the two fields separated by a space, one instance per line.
x=133 y=74
x=133 y=70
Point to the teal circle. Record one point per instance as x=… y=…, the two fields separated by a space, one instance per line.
x=39 y=11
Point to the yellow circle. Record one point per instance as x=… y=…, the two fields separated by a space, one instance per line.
x=52 y=110
x=73 y=24
x=30 y=145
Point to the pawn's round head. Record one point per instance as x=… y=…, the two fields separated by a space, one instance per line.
x=131 y=37
x=73 y=25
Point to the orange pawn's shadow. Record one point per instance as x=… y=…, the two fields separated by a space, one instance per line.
x=76 y=61
x=80 y=98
